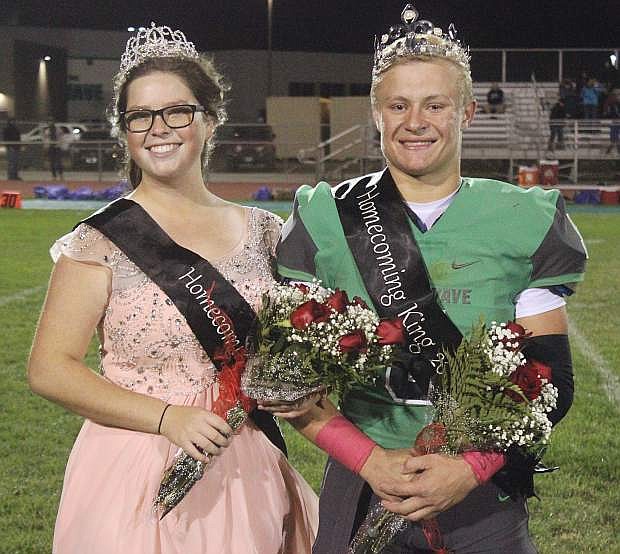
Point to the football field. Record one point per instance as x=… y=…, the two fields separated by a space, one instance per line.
x=579 y=504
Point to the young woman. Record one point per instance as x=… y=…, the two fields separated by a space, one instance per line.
x=169 y=277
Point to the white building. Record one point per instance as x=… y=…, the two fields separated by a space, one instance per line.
x=76 y=82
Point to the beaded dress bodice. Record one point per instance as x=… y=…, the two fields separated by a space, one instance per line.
x=146 y=344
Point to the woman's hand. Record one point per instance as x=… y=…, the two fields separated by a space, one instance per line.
x=198 y=432
x=292 y=410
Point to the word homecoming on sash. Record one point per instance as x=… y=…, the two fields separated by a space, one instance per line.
x=219 y=319
x=380 y=247
x=412 y=317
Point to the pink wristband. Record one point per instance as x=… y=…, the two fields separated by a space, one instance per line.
x=344 y=442
x=484 y=464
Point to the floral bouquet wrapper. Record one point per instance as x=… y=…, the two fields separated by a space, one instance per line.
x=278 y=378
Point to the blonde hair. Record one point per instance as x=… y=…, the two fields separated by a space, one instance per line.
x=464 y=83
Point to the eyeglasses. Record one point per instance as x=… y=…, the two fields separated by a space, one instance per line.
x=175 y=117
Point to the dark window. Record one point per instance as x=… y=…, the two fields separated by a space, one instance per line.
x=326 y=90
x=301 y=89
x=359 y=89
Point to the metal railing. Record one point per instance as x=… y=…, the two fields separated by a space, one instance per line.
x=491 y=137
x=513 y=138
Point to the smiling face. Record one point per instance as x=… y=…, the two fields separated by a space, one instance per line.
x=163 y=154
x=418 y=109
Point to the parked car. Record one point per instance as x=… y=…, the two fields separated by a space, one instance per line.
x=244 y=147
x=93 y=145
x=70 y=131
x=34 y=142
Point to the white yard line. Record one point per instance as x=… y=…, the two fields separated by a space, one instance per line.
x=20 y=295
x=610 y=381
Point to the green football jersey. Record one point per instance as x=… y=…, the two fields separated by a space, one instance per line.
x=494 y=241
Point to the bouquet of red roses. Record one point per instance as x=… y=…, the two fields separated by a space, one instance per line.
x=309 y=338
x=489 y=398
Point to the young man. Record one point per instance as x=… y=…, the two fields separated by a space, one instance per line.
x=440 y=251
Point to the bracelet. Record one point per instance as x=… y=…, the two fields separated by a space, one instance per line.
x=161 y=419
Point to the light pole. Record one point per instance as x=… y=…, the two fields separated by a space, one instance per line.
x=269 y=10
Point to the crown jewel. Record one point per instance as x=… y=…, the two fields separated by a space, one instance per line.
x=154 y=42
x=417 y=37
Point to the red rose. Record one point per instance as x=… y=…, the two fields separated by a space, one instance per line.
x=309 y=312
x=353 y=342
x=520 y=333
x=391 y=331
x=359 y=302
x=528 y=378
x=338 y=301
x=544 y=371
x=430 y=439
x=303 y=288
x=515 y=328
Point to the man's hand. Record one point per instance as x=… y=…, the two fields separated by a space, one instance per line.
x=385 y=469
x=437 y=482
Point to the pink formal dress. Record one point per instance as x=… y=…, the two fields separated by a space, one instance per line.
x=250 y=499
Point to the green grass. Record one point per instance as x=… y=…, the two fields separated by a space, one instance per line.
x=578 y=510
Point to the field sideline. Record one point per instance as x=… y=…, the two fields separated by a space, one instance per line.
x=578 y=510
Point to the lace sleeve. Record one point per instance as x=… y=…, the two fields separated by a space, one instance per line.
x=85 y=244
x=271 y=225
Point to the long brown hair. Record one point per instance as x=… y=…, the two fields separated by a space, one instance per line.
x=200 y=76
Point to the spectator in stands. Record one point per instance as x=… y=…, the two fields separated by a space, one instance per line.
x=568 y=93
x=11 y=134
x=556 y=125
x=495 y=100
x=590 y=98
x=582 y=79
x=566 y=88
x=612 y=111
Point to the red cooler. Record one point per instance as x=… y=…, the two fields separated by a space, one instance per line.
x=549 y=171
x=528 y=175
x=609 y=196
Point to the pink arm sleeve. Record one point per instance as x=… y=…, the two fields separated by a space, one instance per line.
x=344 y=442
x=484 y=464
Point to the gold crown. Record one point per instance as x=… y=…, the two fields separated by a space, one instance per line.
x=153 y=42
x=417 y=38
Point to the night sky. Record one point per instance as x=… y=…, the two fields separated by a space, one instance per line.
x=337 y=25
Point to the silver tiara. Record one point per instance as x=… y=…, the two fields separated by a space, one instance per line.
x=417 y=38
x=153 y=42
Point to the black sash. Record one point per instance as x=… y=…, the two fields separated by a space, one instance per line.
x=217 y=314
x=375 y=220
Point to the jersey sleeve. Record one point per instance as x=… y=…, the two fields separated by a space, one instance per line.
x=559 y=261
x=296 y=250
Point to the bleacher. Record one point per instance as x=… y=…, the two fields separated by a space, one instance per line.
x=522 y=132
x=519 y=136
